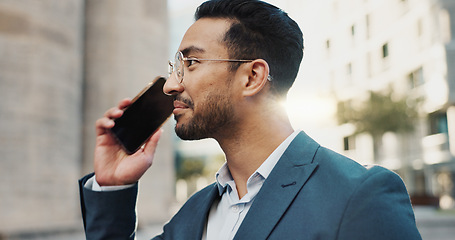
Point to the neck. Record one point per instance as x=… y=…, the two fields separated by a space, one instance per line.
x=247 y=147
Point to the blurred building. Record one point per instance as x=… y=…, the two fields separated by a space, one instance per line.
x=62 y=65
x=406 y=45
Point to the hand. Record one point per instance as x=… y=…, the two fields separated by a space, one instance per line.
x=112 y=165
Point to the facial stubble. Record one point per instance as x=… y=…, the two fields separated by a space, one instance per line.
x=210 y=118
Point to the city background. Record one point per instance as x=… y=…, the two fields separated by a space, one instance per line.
x=377 y=84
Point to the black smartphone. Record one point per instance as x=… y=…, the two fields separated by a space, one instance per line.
x=148 y=111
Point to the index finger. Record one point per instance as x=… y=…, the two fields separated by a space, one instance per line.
x=124 y=103
x=117 y=111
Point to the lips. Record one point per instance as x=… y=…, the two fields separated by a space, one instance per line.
x=178 y=104
x=179 y=107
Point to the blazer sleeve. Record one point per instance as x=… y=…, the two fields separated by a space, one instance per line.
x=108 y=215
x=380 y=208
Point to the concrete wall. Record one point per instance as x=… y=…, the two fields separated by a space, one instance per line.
x=62 y=64
x=126 y=47
x=40 y=113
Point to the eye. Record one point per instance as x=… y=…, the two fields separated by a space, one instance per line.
x=190 y=61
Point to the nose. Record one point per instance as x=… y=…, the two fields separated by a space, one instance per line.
x=172 y=86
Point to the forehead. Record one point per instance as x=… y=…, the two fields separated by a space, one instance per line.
x=205 y=37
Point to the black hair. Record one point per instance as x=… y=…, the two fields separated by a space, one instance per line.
x=260 y=31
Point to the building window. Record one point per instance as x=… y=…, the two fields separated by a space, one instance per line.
x=415 y=78
x=385 y=50
x=367 y=24
x=349 y=72
x=327 y=47
x=438 y=123
x=369 y=65
x=349 y=143
x=445 y=25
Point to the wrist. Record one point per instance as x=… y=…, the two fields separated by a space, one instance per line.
x=106 y=188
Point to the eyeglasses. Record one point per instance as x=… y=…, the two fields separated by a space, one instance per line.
x=178 y=65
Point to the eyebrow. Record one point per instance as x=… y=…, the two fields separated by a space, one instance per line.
x=192 y=49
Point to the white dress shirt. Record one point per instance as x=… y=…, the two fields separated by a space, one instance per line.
x=227 y=214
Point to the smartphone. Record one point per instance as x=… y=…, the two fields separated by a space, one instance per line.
x=148 y=111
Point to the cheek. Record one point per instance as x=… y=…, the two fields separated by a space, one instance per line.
x=208 y=82
x=201 y=101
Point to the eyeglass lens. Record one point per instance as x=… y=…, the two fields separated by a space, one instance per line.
x=178 y=67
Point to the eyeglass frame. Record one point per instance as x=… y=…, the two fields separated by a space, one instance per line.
x=179 y=57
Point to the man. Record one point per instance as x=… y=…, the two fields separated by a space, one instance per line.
x=234 y=65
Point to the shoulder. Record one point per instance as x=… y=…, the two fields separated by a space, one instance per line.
x=344 y=168
x=337 y=174
x=372 y=198
x=333 y=170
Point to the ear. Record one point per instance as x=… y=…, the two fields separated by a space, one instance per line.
x=257 y=73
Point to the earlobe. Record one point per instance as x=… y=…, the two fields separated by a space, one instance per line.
x=258 y=74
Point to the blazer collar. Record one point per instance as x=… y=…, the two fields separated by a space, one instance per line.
x=284 y=182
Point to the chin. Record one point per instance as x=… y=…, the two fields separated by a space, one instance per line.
x=184 y=135
x=185 y=132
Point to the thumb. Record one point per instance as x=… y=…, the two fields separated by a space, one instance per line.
x=152 y=143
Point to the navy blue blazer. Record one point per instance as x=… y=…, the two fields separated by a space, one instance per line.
x=312 y=193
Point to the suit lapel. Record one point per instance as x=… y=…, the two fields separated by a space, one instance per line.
x=284 y=182
x=195 y=228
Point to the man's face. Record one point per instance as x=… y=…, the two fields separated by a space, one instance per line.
x=203 y=105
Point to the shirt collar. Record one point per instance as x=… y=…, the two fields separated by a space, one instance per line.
x=223 y=176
